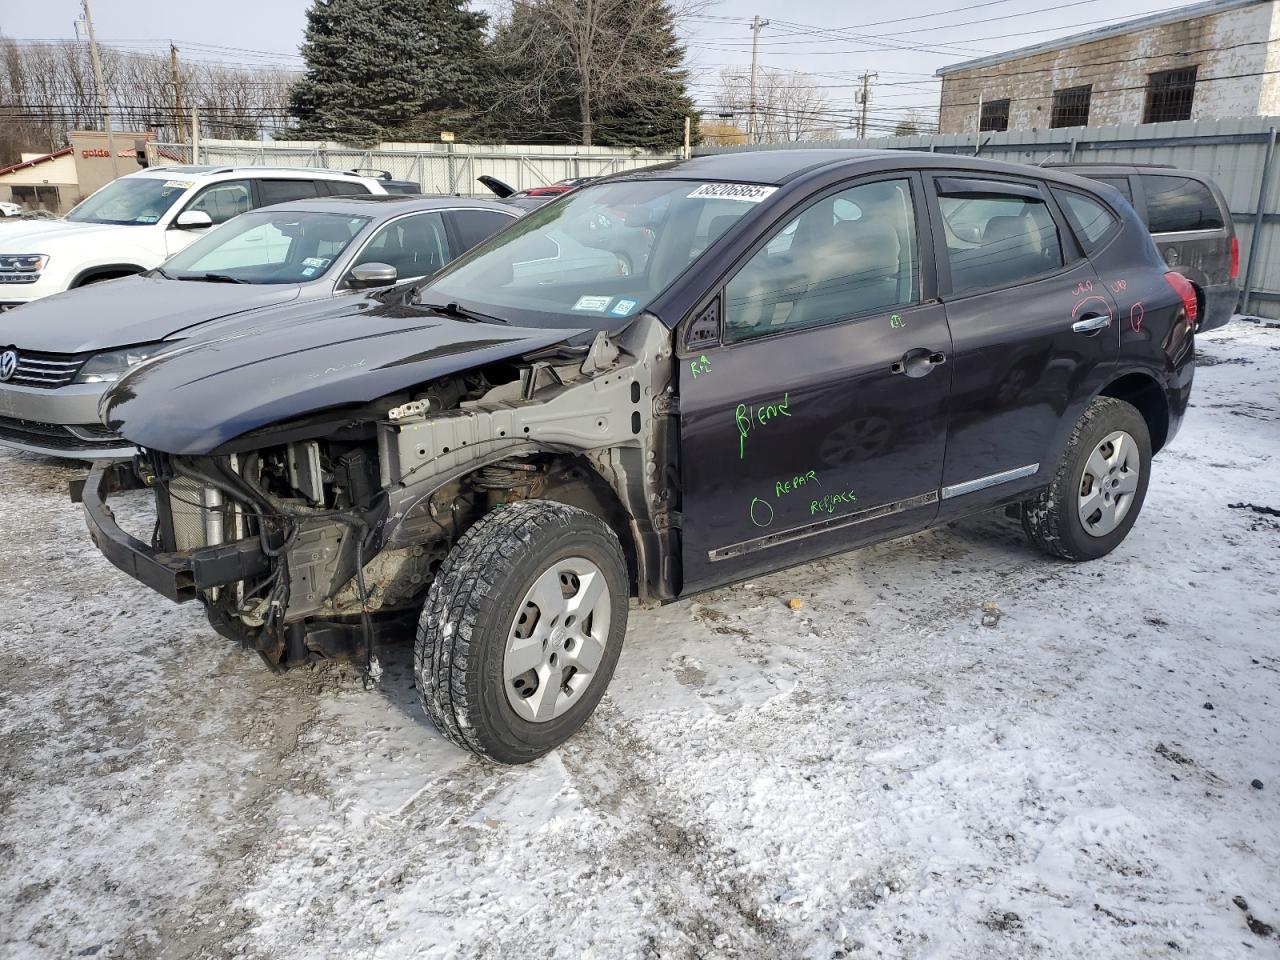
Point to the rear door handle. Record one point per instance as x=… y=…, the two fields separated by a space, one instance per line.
x=1091 y=323
x=918 y=362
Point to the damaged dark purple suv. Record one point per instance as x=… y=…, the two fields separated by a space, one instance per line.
x=660 y=383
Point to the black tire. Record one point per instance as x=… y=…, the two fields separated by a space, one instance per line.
x=470 y=608
x=1051 y=520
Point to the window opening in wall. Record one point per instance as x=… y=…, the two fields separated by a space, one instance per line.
x=995 y=115
x=1169 y=95
x=1071 y=106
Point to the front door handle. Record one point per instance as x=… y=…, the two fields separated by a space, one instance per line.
x=918 y=362
x=1091 y=323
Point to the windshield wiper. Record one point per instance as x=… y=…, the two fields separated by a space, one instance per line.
x=223 y=278
x=463 y=313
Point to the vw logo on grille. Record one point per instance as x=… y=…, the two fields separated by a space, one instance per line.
x=8 y=364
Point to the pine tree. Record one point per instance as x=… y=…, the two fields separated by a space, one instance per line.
x=388 y=69
x=651 y=114
x=608 y=73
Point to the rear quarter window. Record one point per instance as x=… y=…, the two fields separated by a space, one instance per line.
x=1089 y=218
x=1176 y=204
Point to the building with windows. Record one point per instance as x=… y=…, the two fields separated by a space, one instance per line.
x=1209 y=60
x=59 y=180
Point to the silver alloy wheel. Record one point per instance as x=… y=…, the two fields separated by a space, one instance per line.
x=557 y=639
x=1109 y=483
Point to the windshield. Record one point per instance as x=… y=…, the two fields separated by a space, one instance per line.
x=130 y=201
x=602 y=253
x=266 y=246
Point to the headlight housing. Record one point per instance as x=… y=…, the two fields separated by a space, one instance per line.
x=22 y=267
x=111 y=366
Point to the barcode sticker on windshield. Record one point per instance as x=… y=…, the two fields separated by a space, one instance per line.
x=594 y=304
x=747 y=192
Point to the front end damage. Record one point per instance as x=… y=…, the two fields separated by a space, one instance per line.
x=318 y=537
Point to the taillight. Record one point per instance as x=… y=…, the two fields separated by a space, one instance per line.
x=1182 y=286
x=1235 y=258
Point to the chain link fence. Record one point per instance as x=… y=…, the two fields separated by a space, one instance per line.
x=440 y=168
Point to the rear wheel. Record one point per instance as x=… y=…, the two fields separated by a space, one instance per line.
x=522 y=629
x=1099 y=488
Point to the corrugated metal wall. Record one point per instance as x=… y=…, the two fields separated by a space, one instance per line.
x=1234 y=152
x=434 y=165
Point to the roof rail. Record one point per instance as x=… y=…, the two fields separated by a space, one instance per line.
x=1109 y=163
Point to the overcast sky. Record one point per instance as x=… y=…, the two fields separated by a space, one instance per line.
x=903 y=42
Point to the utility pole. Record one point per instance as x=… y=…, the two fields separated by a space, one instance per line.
x=177 y=92
x=102 y=90
x=866 y=95
x=757 y=24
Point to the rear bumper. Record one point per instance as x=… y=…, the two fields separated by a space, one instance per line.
x=1219 y=305
x=178 y=576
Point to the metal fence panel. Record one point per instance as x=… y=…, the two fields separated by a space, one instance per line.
x=1239 y=153
x=440 y=168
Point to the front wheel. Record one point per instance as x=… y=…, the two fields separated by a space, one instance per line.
x=522 y=629
x=1100 y=485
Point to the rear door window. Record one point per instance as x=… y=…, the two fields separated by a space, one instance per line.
x=342 y=188
x=994 y=240
x=1176 y=204
x=472 y=226
x=282 y=191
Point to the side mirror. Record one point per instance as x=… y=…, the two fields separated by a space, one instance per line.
x=371 y=275
x=193 y=220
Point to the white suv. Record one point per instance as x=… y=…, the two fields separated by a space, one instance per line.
x=137 y=222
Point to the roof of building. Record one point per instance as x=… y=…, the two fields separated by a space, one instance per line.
x=35 y=161
x=1176 y=15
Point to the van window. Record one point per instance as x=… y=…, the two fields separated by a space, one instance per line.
x=1120 y=183
x=1179 y=203
x=995 y=240
x=1088 y=217
x=846 y=255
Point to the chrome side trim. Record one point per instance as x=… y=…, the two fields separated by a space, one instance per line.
x=821 y=526
x=1173 y=236
x=972 y=486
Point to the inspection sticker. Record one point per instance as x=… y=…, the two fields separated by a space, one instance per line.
x=748 y=192
x=623 y=307
x=594 y=304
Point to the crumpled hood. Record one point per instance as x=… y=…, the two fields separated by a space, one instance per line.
x=212 y=390
x=129 y=311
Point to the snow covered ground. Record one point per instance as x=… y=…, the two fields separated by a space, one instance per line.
x=880 y=773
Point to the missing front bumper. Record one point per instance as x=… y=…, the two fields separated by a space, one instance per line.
x=178 y=576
